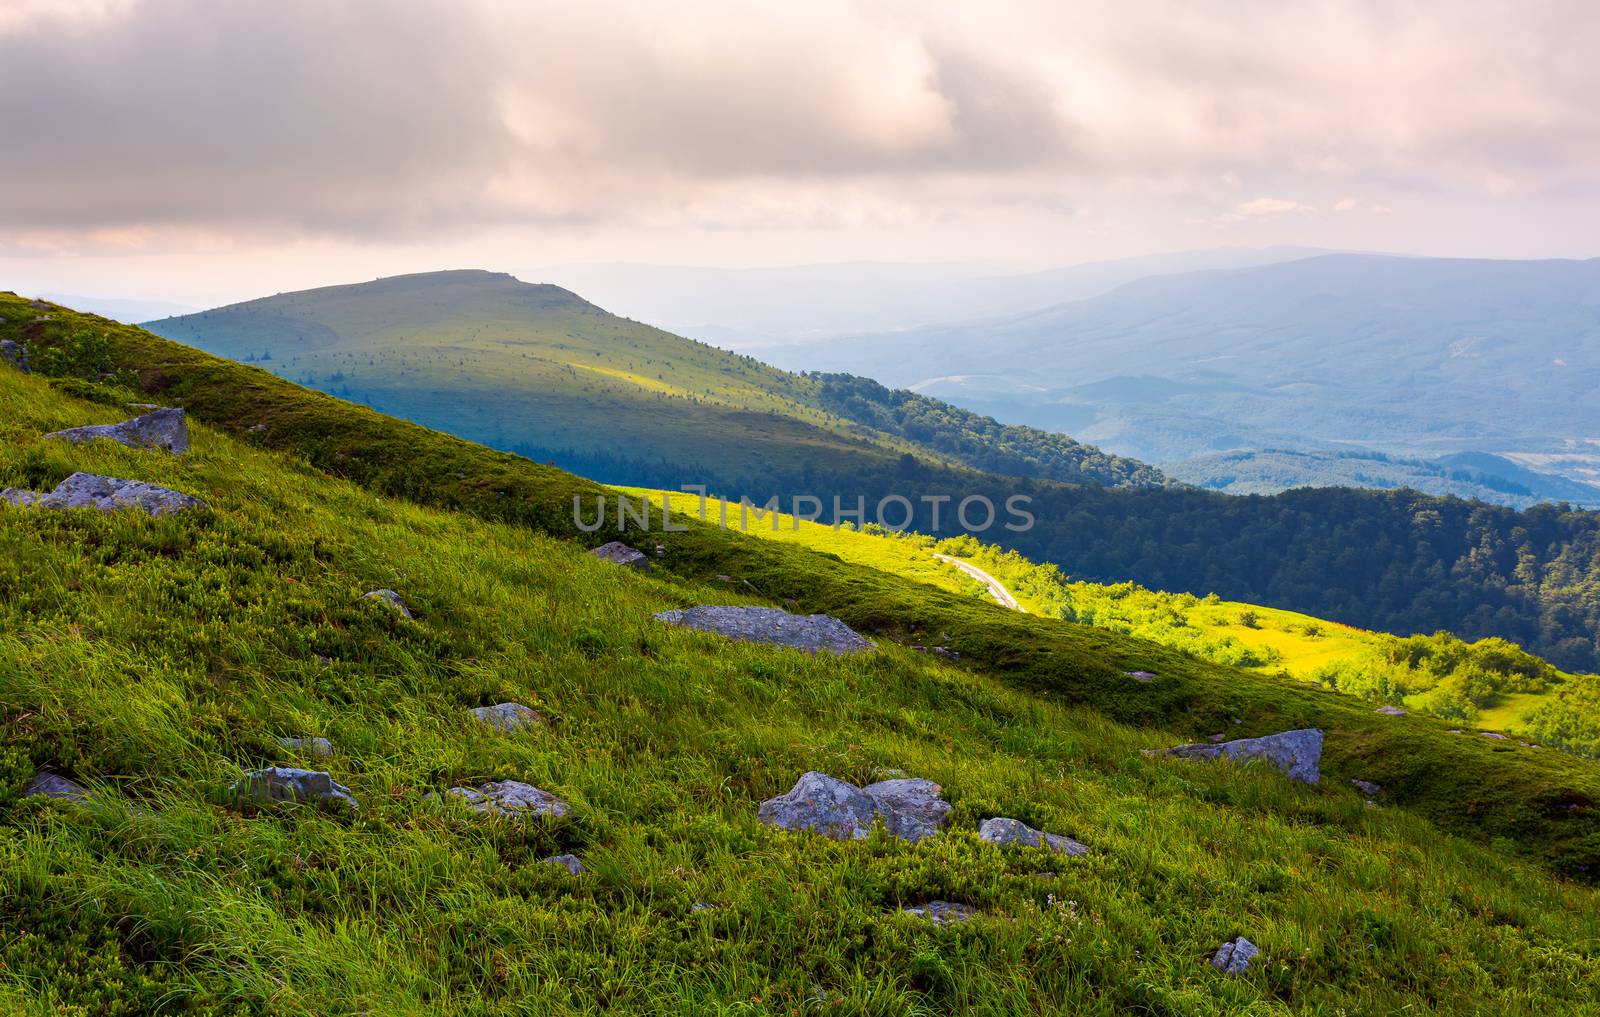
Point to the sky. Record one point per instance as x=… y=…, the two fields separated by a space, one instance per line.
x=203 y=152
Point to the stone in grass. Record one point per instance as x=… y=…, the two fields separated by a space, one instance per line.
x=1297 y=753
x=569 y=862
x=14 y=353
x=507 y=718
x=1001 y=830
x=511 y=798
x=1141 y=676
x=1390 y=711
x=391 y=598
x=942 y=912
x=813 y=633
x=911 y=807
x=310 y=746
x=163 y=429
x=1233 y=957
x=286 y=784
x=107 y=494
x=1497 y=736
x=50 y=785
x=1366 y=787
x=619 y=553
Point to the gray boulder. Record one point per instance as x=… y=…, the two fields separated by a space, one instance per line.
x=15 y=354
x=107 y=494
x=1297 y=753
x=285 y=784
x=507 y=718
x=50 y=785
x=910 y=806
x=1001 y=830
x=1141 y=676
x=391 y=598
x=164 y=429
x=1366 y=787
x=1233 y=957
x=569 y=862
x=310 y=746
x=822 y=804
x=814 y=633
x=511 y=798
x=619 y=553
x=941 y=912
x=1390 y=711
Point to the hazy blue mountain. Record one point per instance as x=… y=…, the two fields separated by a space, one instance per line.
x=1409 y=356
x=123 y=309
x=760 y=307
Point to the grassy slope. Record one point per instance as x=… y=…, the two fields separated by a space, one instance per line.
x=156 y=657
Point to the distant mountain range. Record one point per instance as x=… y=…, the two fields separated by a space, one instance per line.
x=1408 y=357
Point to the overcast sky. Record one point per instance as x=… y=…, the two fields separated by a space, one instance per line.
x=204 y=151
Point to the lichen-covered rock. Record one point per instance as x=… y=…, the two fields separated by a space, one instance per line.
x=1001 y=830
x=164 y=429
x=285 y=784
x=1297 y=753
x=511 y=798
x=910 y=806
x=619 y=553
x=391 y=598
x=507 y=717
x=107 y=494
x=941 y=912
x=569 y=862
x=822 y=804
x=50 y=785
x=310 y=746
x=14 y=353
x=1233 y=957
x=813 y=633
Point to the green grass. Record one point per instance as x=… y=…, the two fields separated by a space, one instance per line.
x=154 y=658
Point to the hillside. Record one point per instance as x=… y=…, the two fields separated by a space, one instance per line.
x=537 y=370
x=1393 y=561
x=1415 y=357
x=151 y=659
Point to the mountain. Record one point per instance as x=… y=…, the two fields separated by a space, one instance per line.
x=538 y=370
x=123 y=309
x=753 y=308
x=1412 y=357
x=155 y=661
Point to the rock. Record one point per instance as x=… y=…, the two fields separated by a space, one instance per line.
x=107 y=494
x=165 y=429
x=15 y=354
x=942 y=911
x=813 y=633
x=701 y=905
x=1366 y=787
x=619 y=553
x=390 y=598
x=946 y=653
x=1297 y=753
x=1390 y=711
x=911 y=807
x=1141 y=676
x=822 y=804
x=1012 y=831
x=661 y=550
x=285 y=784
x=1233 y=957
x=50 y=785
x=1220 y=736
x=507 y=718
x=511 y=797
x=1497 y=736
x=569 y=862
x=310 y=746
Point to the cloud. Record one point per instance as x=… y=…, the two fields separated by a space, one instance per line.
x=371 y=120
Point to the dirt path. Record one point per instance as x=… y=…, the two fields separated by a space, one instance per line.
x=997 y=590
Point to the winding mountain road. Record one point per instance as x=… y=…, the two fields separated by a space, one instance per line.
x=997 y=590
